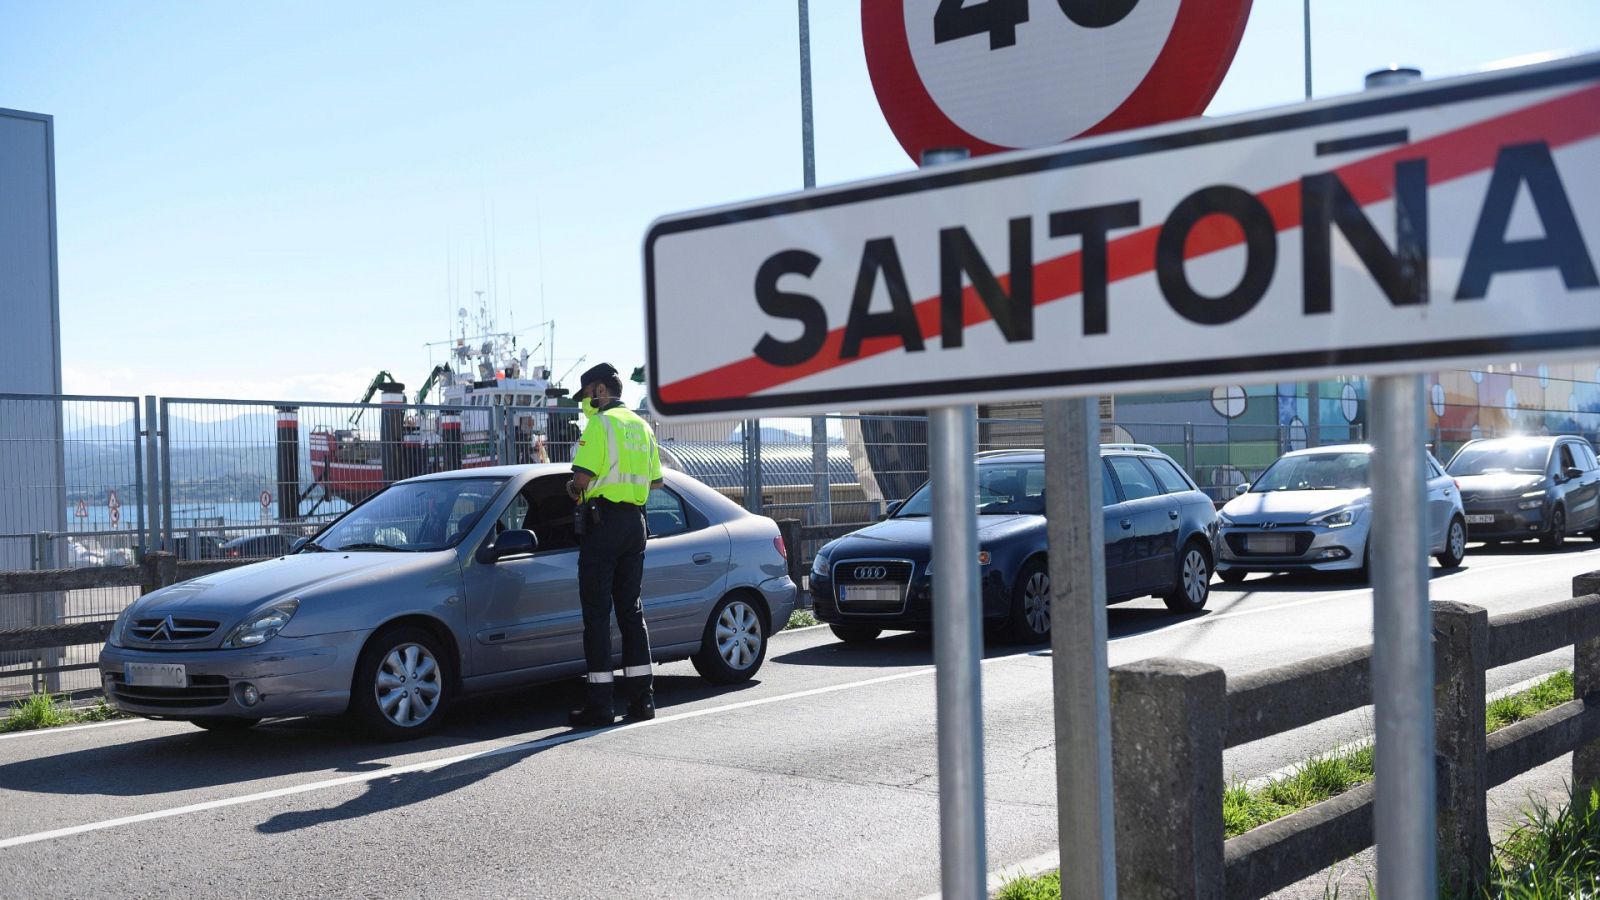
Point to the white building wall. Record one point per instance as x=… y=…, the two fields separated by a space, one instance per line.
x=31 y=464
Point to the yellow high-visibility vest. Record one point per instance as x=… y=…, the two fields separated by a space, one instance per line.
x=619 y=450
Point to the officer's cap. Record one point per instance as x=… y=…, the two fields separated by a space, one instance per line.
x=597 y=373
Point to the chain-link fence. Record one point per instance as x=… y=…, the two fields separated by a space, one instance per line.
x=72 y=494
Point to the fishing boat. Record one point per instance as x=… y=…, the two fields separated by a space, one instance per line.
x=483 y=405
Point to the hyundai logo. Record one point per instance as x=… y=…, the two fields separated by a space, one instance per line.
x=871 y=573
x=1268 y=526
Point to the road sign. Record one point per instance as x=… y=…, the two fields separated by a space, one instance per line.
x=994 y=75
x=114 y=506
x=266 y=500
x=1403 y=230
x=82 y=512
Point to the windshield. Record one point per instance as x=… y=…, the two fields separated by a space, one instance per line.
x=1315 y=472
x=1500 y=456
x=412 y=516
x=1004 y=489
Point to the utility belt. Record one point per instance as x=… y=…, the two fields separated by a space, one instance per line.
x=588 y=512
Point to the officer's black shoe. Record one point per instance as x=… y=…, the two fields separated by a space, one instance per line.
x=642 y=709
x=591 y=717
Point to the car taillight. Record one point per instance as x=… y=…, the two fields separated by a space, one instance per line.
x=782 y=550
x=233 y=553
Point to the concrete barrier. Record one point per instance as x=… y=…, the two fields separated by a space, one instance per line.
x=1171 y=720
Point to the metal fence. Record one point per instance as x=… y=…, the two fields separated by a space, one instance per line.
x=86 y=481
x=72 y=494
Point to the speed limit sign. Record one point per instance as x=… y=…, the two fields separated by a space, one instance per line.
x=993 y=75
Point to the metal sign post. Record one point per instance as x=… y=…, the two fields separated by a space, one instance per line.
x=1073 y=507
x=957 y=637
x=1402 y=633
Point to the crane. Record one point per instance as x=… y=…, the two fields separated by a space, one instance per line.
x=379 y=380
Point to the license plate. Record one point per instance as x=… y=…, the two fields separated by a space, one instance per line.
x=1270 y=543
x=869 y=594
x=1480 y=520
x=155 y=674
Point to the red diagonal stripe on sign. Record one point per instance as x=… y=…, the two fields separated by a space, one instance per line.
x=1451 y=155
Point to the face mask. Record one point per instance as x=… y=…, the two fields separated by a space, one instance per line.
x=586 y=406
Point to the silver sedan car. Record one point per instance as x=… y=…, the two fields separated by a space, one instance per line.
x=441 y=586
x=1312 y=511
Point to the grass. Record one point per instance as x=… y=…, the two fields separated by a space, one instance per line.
x=1554 y=855
x=1550 y=856
x=1547 y=694
x=1042 y=887
x=801 y=618
x=45 y=711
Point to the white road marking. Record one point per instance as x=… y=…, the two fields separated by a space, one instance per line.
x=1044 y=862
x=41 y=732
x=520 y=747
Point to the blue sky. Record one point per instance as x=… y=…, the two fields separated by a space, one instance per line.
x=261 y=201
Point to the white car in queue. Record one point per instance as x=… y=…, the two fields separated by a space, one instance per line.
x=1311 y=511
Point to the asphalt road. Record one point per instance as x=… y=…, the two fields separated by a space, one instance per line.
x=816 y=780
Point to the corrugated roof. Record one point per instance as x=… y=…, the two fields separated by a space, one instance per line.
x=721 y=464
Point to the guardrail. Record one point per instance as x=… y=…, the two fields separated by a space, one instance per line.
x=1171 y=720
x=156 y=570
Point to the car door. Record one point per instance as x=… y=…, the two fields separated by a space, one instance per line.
x=1583 y=492
x=686 y=565
x=1441 y=502
x=524 y=613
x=1144 y=514
x=1119 y=537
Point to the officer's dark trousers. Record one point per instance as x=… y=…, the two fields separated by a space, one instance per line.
x=610 y=571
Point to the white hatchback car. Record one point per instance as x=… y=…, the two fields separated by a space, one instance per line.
x=1311 y=510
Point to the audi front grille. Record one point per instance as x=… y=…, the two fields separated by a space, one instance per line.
x=871 y=586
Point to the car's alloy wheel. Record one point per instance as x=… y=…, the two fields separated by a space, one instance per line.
x=407 y=685
x=1030 y=605
x=1192 y=585
x=734 y=643
x=403 y=684
x=1455 y=545
x=738 y=635
x=1557 y=535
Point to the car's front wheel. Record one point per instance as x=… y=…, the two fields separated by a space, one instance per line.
x=403 y=685
x=1192 y=581
x=734 y=644
x=1455 y=545
x=1232 y=576
x=1030 y=605
x=1556 y=537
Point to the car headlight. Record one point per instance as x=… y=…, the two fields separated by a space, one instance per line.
x=1531 y=500
x=819 y=566
x=117 y=627
x=262 y=625
x=1339 y=518
x=1224 y=521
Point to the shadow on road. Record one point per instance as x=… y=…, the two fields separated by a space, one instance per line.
x=190 y=760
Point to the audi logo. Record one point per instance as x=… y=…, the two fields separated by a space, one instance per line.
x=871 y=573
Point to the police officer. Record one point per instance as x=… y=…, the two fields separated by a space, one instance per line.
x=613 y=469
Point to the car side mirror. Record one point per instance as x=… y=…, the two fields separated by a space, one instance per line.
x=297 y=544
x=517 y=542
x=890 y=510
x=1239 y=490
x=1572 y=472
